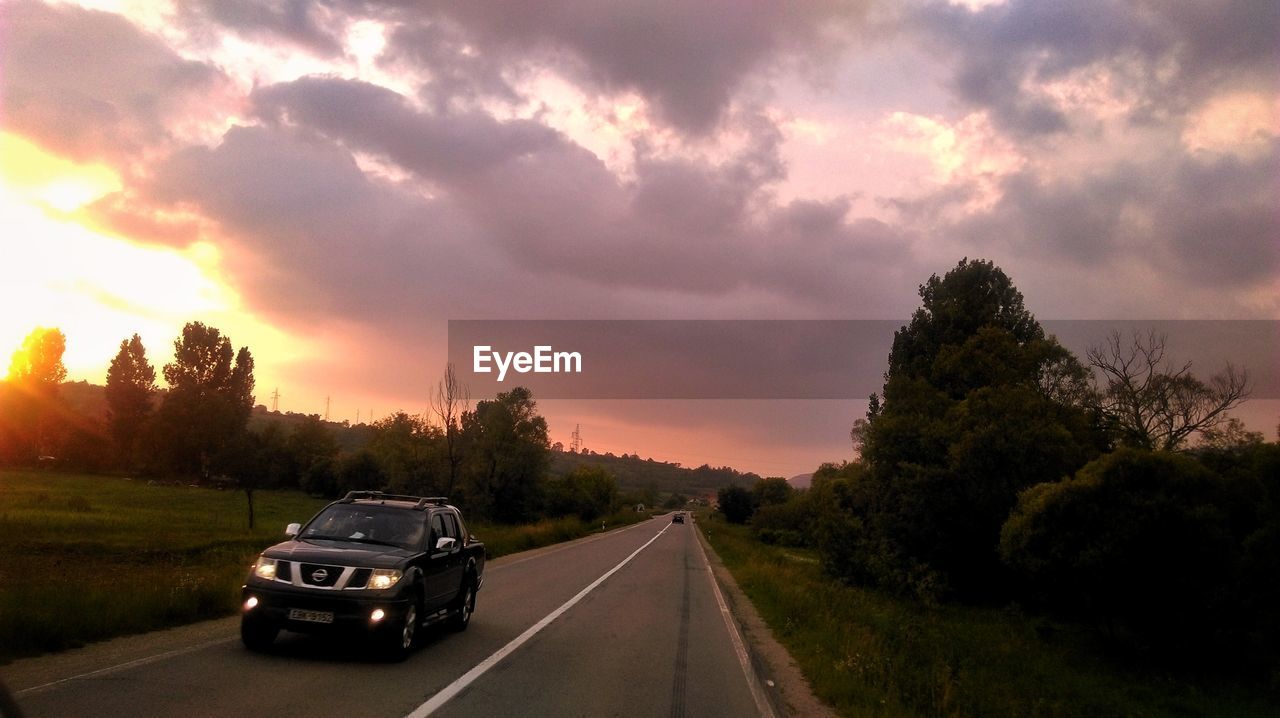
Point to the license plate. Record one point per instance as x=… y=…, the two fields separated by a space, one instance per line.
x=298 y=614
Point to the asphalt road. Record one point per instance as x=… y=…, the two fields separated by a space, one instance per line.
x=628 y=623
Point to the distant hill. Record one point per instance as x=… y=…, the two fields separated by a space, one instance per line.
x=800 y=481
x=635 y=474
x=350 y=438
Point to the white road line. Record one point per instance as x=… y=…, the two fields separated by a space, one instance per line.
x=739 y=647
x=125 y=666
x=444 y=695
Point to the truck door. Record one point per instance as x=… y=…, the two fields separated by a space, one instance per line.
x=444 y=567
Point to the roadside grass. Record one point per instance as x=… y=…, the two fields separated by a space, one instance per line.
x=502 y=539
x=90 y=557
x=869 y=654
x=86 y=558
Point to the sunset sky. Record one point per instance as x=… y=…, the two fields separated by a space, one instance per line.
x=330 y=182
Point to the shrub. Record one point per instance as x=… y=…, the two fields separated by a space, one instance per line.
x=1154 y=540
x=735 y=504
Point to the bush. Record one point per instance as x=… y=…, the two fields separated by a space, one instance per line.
x=1183 y=558
x=736 y=504
x=587 y=492
x=788 y=524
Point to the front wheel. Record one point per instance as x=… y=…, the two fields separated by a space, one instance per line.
x=400 y=642
x=461 y=617
x=257 y=635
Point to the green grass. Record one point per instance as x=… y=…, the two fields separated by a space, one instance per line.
x=90 y=557
x=85 y=558
x=868 y=654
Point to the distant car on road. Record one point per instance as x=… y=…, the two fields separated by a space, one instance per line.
x=677 y=518
x=373 y=563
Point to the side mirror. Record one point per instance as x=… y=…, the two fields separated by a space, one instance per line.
x=292 y=529
x=446 y=543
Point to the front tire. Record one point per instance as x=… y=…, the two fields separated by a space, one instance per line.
x=399 y=641
x=257 y=635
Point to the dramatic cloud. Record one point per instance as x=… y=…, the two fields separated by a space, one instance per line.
x=91 y=85
x=305 y=24
x=555 y=207
x=1169 y=56
x=689 y=59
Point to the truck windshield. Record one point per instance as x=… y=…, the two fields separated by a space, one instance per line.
x=368 y=524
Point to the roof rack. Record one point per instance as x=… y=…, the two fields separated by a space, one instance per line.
x=422 y=502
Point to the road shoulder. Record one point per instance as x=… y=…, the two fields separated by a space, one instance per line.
x=784 y=684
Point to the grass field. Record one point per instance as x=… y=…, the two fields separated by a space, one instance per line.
x=867 y=654
x=87 y=558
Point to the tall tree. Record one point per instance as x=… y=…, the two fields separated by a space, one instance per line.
x=508 y=452
x=451 y=400
x=209 y=399
x=30 y=417
x=1153 y=404
x=408 y=450
x=978 y=404
x=131 y=386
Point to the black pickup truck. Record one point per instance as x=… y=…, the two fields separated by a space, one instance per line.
x=372 y=563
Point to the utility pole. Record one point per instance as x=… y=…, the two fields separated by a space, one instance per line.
x=576 y=443
x=326 y=408
x=275 y=400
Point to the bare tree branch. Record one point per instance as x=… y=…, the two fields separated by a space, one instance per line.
x=1151 y=403
x=449 y=402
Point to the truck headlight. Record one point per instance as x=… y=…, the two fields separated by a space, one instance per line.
x=384 y=578
x=265 y=568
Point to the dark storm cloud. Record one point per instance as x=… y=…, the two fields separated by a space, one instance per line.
x=455 y=72
x=1169 y=54
x=688 y=58
x=1221 y=221
x=1210 y=221
x=554 y=208
x=90 y=84
x=379 y=120
x=333 y=241
x=302 y=23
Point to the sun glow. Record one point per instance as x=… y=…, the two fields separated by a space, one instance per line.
x=100 y=289
x=40 y=178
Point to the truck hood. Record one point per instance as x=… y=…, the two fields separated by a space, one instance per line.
x=340 y=553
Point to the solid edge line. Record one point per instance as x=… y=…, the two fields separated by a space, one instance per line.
x=124 y=666
x=739 y=646
x=444 y=695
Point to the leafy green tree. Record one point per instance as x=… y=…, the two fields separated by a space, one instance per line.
x=314 y=451
x=209 y=399
x=410 y=453
x=130 y=391
x=771 y=491
x=587 y=492
x=978 y=404
x=360 y=471
x=508 y=452
x=736 y=504
x=32 y=416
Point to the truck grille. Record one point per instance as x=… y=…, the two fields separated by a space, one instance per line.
x=314 y=574
x=322 y=575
